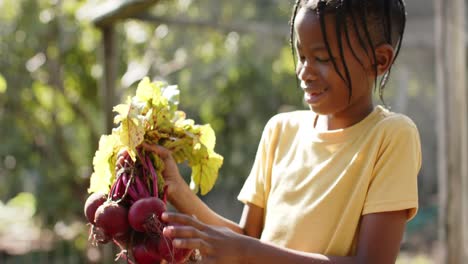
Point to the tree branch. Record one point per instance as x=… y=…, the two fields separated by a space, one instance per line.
x=258 y=28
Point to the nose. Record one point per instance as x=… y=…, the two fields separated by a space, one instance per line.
x=306 y=72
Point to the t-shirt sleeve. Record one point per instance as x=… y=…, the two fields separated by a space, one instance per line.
x=255 y=186
x=393 y=184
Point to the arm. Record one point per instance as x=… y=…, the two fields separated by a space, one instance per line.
x=183 y=199
x=379 y=241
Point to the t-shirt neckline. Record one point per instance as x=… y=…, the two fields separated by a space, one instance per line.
x=337 y=135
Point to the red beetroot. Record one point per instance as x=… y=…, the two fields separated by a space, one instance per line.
x=145 y=215
x=145 y=251
x=91 y=205
x=122 y=240
x=112 y=219
x=171 y=254
x=98 y=236
x=181 y=255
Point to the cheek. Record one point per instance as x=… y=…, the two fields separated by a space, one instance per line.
x=361 y=76
x=329 y=73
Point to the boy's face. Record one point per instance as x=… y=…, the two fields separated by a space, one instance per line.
x=324 y=90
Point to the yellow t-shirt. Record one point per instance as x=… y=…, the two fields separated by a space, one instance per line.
x=315 y=186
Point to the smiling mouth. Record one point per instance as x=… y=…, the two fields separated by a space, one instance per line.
x=315 y=96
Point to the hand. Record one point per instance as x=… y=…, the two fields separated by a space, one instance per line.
x=216 y=244
x=173 y=179
x=123 y=160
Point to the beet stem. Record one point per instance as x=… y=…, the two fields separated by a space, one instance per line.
x=117 y=188
x=141 y=157
x=133 y=194
x=127 y=187
x=154 y=176
x=113 y=188
x=141 y=188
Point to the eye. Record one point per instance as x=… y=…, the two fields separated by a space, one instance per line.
x=322 y=59
x=302 y=58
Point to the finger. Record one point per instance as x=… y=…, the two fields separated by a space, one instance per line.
x=121 y=160
x=162 y=152
x=209 y=260
x=193 y=243
x=183 y=219
x=183 y=232
x=123 y=153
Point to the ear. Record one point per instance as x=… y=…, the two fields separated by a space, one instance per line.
x=384 y=54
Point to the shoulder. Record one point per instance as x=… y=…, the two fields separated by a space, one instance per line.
x=397 y=130
x=390 y=123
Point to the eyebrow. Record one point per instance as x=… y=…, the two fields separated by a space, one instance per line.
x=317 y=47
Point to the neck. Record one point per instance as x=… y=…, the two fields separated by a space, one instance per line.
x=352 y=115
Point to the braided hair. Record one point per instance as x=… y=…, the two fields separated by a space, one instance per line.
x=373 y=21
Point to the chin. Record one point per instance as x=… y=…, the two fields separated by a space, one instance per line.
x=320 y=110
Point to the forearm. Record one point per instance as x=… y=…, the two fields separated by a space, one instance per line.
x=262 y=252
x=187 y=202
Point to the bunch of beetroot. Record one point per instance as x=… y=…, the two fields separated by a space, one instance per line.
x=130 y=214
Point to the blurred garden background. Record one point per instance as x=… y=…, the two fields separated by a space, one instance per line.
x=64 y=63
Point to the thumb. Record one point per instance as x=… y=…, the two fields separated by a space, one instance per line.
x=162 y=152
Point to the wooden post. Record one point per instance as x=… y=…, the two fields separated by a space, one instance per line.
x=450 y=39
x=109 y=77
x=105 y=16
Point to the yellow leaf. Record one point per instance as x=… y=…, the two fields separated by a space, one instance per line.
x=205 y=173
x=145 y=91
x=3 y=84
x=132 y=124
x=122 y=110
x=104 y=163
x=207 y=136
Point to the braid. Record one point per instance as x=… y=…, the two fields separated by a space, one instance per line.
x=388 y=22
x=321 y=11
x=291 y=29
x=291 y=33
x=364 y=19
x=347 y=7
x=340 y=20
